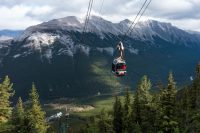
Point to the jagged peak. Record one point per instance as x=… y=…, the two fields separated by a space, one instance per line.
x=99 y=18
x=143 y=29
x=125 y=21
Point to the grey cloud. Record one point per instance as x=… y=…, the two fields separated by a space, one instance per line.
x=168 y=10
x=189 y=11
x=111 y=7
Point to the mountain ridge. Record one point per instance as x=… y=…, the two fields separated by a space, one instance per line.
x=143 y=30
x=52 y=56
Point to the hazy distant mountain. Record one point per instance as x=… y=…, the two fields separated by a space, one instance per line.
x=61 y=63
x=11 y=33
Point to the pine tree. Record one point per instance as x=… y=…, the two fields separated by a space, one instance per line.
x=142 y=105
x=127 y=122
x=117 y=116
x=168 y=122
x=35 y=115
x=104 y=124
x=183 y=110
x=6 y=92
x=195 y=90
x=154 y=113
x=19 y=117
x=157 y=115
x=137 y=128
x=92 y=126
x=193 y=114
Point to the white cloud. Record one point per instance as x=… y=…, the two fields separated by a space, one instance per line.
x=188 y=24
x=41 y=10
x=171 y=6
x=19 y=14
x=15 y=17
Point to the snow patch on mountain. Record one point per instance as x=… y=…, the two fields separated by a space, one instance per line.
x=108 y=50
x=44 y=43
x=5 y=47
x=4 y=38
x=5 y=44
x=133 y=51
x=17 y=55
x=68 y=52
x=38 y=40
x=69 y=48
x=48 y=54
x=66 y=40
x=83 y=48
x=74 y=49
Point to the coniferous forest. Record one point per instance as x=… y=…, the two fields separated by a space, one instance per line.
x=24 y=118
x=167 y=111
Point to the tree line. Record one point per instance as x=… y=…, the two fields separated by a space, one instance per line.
x=166 y=111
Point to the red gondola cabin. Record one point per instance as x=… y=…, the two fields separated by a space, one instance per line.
x=119 y=67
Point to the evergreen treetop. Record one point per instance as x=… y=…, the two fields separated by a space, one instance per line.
x=36 y=116
x=6 y=92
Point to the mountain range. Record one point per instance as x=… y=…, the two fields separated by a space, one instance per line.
x=65 y=62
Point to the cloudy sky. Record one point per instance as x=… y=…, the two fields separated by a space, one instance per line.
x=19 y=14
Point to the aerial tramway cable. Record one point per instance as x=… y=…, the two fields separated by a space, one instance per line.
x=84 y=29
x=87 y=16
x=87 y=19
x=119 y=64
x=137 y=18
x=87 y=22
x=133 y=22
x=102 y=2
x=140 y=16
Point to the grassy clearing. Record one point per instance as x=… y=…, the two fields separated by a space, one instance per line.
x=79 y=119
x=98 y=103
